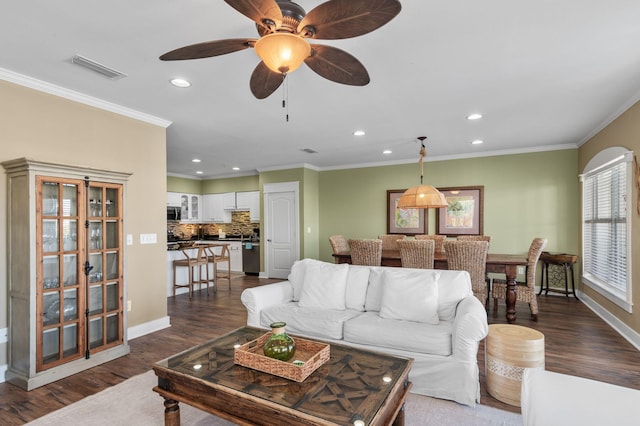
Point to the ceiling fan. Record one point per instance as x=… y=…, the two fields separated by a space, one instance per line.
x=284 y=27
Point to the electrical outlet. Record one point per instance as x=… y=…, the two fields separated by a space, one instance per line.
x=520 y=270
x=128 y=305
x=129 y=239
x=148 y=239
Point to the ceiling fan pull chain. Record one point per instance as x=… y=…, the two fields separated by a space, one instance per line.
x=285 y=96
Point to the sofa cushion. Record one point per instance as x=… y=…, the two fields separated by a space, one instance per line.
x=373 y=301
x=313 y=322
x=371 y=329
x=410 y=294
x=357 y=283
x=453 y=286
x=296 y=276
x=324 y=286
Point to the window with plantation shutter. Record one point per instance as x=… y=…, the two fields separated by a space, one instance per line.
x=606 y=203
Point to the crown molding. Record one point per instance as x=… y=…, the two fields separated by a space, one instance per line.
x=52 y=89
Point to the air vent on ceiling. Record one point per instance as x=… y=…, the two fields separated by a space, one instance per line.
x=97 y=67
x=309 y=151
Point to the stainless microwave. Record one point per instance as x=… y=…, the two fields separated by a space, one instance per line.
x=173 y=214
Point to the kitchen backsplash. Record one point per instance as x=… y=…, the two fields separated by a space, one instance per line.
x=240 y=225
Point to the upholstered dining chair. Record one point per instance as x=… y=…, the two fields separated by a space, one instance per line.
x=366 y=252
x=470 y=256
x=338 y=243
x=438 y=239
x=417 y=253
x=526 y=291
x=390 y=241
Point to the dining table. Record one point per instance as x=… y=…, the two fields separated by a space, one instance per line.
x=506 y=264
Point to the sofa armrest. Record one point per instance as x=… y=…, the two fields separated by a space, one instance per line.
x=470 y=326
x=256 y=299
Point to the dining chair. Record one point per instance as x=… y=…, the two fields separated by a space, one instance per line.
x=486 y=238
x=338 y=243
x=366 y=252
x=389 y=241
x=438 y=239
x=417 y=253
x=525 y=291
x=470 y=256
x=474 y=238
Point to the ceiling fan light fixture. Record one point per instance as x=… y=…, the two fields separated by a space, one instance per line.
x=282 y=52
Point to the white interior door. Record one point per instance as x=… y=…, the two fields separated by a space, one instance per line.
x=281 y=228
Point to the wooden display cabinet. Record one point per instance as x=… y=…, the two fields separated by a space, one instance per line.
x=66 y=282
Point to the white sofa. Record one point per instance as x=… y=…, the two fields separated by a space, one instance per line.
x=554 y=399
x=428 y=315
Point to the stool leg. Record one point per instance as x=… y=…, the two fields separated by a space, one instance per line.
x=566 y=279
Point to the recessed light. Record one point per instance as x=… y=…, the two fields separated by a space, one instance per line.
x=180 y=82
x=474 y=116
x=358 y=133
x=477 y=142
x=196 y=160
x=235 y=168
x=199 y=172
x=387 y=152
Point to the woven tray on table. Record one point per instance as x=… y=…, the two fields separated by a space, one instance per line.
x=312 y=354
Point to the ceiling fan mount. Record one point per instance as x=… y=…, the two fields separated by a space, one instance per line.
x=332 y=20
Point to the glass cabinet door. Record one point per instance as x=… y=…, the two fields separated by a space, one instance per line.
x=75 y=225
x=105 y=259
x=58 y=286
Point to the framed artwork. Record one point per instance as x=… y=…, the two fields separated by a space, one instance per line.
x=464 y=215
x=403 y=221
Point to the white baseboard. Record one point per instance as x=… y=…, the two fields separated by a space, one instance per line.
x=132 y=333
x=624 y=330
x=148 y=327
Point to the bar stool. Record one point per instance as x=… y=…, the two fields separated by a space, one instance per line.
x=215 y=259
x=200 y=260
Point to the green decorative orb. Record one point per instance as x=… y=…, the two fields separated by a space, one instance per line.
x=280 y=345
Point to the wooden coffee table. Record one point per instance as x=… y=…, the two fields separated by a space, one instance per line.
x=355 y=387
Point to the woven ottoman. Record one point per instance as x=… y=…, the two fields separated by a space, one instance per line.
x=509 y=349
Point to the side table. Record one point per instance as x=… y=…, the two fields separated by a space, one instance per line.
x=566 y=261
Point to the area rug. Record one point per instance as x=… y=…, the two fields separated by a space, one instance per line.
x=132 y=402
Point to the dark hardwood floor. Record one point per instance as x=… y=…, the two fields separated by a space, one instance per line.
x=577 y=342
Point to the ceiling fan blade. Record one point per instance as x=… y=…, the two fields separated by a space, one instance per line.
x=208 y=49
x=258 y=10
x=264 y=81
x=337 y=65
x=338 y=19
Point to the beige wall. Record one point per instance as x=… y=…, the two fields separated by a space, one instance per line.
x=44 y=127
x=623 y=132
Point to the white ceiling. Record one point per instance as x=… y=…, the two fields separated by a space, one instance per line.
x=546 y=74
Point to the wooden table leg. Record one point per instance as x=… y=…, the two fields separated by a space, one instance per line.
x=171 y=412
x=399 y=421
x=511 y=271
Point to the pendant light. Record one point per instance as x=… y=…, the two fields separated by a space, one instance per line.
x=422 y=196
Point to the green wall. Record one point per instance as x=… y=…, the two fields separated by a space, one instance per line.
x=525 y=196
x=184 y=185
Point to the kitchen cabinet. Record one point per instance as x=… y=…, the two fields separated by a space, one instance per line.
x=229 y=200
x=235 y=252
x=173 y=199
x=66 y=281
x=213 y=209
x=190 y=208
x=249 y=200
